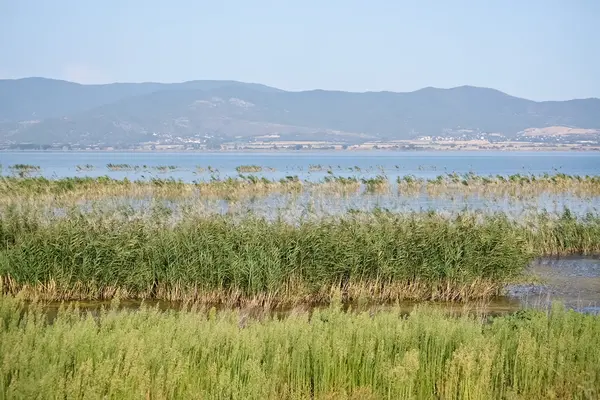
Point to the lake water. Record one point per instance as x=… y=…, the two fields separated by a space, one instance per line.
x=342 y=163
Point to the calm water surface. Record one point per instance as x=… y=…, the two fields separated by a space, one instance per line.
x=393 y=164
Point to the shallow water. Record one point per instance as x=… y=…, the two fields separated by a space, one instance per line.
x=308 y=204
x=573 y=281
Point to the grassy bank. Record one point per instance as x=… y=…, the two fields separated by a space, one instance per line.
x=331 y=355
x=380 y=256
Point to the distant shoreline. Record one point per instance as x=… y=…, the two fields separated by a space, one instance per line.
x=315 y=151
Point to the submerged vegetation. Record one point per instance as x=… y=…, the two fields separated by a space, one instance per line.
x=327 y=355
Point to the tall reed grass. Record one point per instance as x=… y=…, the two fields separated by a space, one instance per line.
x=329 y=355
x=379 y=255
x=154 y=257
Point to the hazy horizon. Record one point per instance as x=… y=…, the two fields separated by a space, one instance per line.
x=538 y=50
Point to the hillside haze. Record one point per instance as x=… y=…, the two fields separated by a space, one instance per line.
x=46 y=111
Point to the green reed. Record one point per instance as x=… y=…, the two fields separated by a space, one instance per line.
x=156 y=257
x=381 y=255
x=327 y=355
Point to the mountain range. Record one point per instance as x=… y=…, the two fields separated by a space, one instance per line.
x=46 y=111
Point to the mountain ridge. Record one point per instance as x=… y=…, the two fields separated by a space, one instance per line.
x=40 y=110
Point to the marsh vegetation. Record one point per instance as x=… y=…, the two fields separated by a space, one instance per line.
x=254 y=240
x=213 y=258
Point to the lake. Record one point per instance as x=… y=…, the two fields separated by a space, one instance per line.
x=194 y=166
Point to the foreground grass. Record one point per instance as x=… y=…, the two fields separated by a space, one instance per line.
x=329 y=355
x=380 y=256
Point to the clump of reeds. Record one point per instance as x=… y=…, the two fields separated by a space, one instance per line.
x=122 y=167
x=245 y=169
x=377 y=184
x=328 y=354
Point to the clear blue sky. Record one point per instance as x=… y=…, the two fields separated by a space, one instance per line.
x=538 y=49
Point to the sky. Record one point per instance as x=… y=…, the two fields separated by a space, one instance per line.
x=537 y=49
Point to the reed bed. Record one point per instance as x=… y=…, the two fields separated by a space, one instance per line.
x=326 y=355
x=389 y=256
x=86 y=188
x=248 y=185
x=381 y=256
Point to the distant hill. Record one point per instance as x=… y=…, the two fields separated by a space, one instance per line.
x=46 y=111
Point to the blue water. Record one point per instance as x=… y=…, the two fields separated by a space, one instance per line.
x=421 y=164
